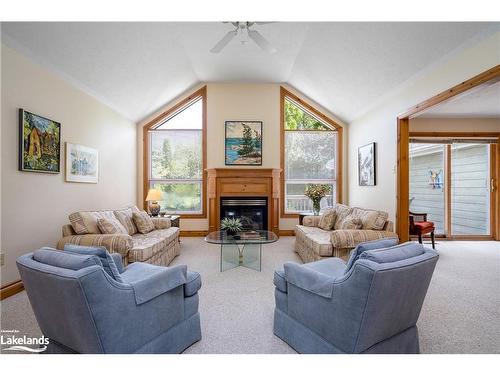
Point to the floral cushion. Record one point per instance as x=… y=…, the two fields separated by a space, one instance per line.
x=143 y=222
x=125 y=218
x=327 y=219
x=371 y=219
x=342 y=212
x=111 y=226
x=351 y=223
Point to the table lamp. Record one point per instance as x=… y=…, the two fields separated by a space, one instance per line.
x=153 y=197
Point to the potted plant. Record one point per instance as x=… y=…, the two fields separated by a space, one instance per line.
x=231 y=225
x=316 y=192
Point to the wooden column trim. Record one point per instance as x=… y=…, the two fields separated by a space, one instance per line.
x=402 y=188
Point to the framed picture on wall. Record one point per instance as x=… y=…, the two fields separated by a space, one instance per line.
x=243 y=143
x=82 y=164
x=39 y=143
x=367 y=167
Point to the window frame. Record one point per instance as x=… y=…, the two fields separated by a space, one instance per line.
x=335 y=126
x=160 y=119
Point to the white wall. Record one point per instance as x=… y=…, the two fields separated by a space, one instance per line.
x=234 y=101
x=379 y=125
x=454 y=124
x=36 y=205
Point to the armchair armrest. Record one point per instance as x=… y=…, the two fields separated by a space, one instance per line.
x=193 y=284
x=279 y=281
x=114 y=243
x=309 y=279
x=350 y=238
x=161 y=280
x=311 y=220
x=161 y=222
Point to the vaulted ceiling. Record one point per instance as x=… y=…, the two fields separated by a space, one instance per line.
x=136 y=68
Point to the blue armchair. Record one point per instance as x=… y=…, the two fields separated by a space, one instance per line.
x=86 y=302
x=369 y=305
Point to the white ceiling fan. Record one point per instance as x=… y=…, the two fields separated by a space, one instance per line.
x=243 y=30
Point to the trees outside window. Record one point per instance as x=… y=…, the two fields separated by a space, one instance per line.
x=176 y=158
x=310 y=155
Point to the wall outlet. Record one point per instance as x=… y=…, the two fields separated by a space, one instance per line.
x=2 y=260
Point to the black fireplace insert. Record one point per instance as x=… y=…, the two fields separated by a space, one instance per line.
x=252 y=211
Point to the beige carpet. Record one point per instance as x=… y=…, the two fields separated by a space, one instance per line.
x=460 y=314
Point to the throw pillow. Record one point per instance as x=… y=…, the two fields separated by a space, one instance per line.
x=125 y=218
x=369 y=245
x=327 y=220
x=143 y=222
x=106 y=259
x=111 y=226
x=342 y=212
x=351 y=223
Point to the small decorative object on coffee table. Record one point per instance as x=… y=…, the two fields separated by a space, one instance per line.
x=153 y=197
x=316 y=192
x=231 y=225
x=243 y=249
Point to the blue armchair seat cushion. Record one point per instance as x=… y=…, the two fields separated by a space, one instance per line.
x=193 y=284
x=394 y=254
x=57 y=258
x=369 y=245
x=333 y=267
x=106 y=259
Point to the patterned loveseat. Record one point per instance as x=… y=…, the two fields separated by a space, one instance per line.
x=159 y=246
x=347 y=227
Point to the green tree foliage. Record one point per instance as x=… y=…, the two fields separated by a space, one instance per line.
x=247 y=145
x=298 y=119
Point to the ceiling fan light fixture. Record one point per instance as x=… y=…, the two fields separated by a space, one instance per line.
x=242 y=29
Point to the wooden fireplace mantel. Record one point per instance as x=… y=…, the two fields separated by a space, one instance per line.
x=232 y=182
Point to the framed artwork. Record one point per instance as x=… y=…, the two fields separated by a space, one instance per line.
x=82 y=164
x=367 y=166
x=39 y=143
x=243 y=143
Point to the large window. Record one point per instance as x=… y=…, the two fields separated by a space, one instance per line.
x=176 y=156
x=310 y=154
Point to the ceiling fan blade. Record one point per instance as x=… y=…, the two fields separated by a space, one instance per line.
x=261 y=41
x=264 y=23
x=224 y=41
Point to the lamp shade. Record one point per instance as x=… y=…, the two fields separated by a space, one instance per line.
x=154 y=195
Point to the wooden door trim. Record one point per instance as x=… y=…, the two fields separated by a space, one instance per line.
x=402 y=170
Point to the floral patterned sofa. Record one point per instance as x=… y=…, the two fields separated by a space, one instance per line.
x=338 y=230
x=159 y=246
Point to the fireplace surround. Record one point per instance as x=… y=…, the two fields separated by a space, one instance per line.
x=226 y=184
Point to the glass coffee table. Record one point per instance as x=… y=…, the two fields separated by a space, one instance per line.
x=243 y=249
